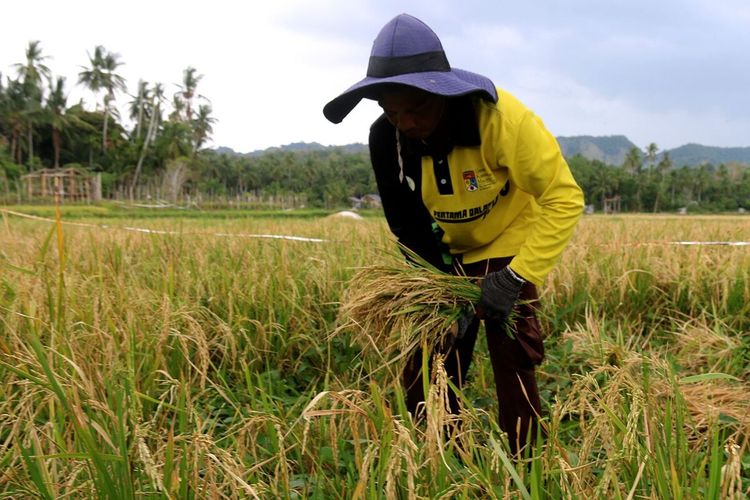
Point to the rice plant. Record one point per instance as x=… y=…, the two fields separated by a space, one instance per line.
x=393 y=309
x=198 y=361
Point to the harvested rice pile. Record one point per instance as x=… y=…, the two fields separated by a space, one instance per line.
x=393 y=310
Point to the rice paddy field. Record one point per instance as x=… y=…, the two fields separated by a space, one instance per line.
x=199 y=360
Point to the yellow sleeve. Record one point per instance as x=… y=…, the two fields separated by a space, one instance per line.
x=541 y=171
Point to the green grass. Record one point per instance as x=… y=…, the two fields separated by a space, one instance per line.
x=191 y=365
x=124 y=211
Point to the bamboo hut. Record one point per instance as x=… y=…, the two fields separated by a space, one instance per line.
x=64 y=184
x=612 y=205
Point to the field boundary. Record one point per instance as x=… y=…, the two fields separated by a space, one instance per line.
x=161 y=231
x=307 y=239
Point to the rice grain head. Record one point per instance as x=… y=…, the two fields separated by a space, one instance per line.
x=393 y=310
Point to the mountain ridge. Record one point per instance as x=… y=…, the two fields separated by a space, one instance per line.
x=610 y=150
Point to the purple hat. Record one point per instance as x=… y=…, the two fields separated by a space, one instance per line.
x=408 y=52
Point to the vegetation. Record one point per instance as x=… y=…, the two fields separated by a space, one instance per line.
x=327 y=177
x=163 y=141
x=39 y=129
x=648 y=186
x=198 y=362
x=159 y=148
x=396 y=310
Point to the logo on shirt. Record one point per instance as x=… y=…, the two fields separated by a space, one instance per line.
x=470 y=180
x=465 y=214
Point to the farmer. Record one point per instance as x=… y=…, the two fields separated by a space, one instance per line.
x=473 y=182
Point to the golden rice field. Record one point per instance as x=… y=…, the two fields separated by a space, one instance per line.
x=198 y=361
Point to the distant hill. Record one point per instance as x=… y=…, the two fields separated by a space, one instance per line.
x=295 y=147
x=608 y=149
x=612 y=150
x=695 y=154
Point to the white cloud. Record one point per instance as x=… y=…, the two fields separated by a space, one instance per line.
x=570 y=108
x=269 y=67
x=488 y=38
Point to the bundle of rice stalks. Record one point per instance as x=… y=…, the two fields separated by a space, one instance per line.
x=393 y=310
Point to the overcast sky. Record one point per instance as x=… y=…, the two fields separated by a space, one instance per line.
x=669 y=72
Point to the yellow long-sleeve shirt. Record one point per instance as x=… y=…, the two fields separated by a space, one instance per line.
x=513 y=194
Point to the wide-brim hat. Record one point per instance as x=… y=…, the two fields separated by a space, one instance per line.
x=408 y=52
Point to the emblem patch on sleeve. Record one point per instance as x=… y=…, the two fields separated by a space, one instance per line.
x=470 y=180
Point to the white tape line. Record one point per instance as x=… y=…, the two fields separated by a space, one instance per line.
x=272 y=236
x=301 y=238
x=144 y=230
x=709 y=243
x=159 y=231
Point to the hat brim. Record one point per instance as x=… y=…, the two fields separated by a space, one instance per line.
x=453 y=83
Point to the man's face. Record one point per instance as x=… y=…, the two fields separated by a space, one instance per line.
x=414 y=112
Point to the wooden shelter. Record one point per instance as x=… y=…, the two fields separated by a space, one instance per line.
x=71 y=184
x=612 y=205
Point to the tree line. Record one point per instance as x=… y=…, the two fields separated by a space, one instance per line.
x=643 y=184
x=167 y=133
x=332 y=176
x=327 y=178
x=40 y=129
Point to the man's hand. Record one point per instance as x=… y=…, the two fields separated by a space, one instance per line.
x=500 y=291
x=463 y=322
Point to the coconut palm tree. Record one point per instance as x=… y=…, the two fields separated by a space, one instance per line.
x=633 y=161
x=32 y=75
x=61 y=119
x=138 y=107
x=157 y=99
x=189 y=84
x=664 y=165
x=634 y=164
x=93 y=76
x=178 y=106
x=202 y=126
x=33 y=71
x=4 y=128
x=651 y=151
x=112 y=82
x=154 y=111
x=55 y=114
x=101 y=76
x=14 y=117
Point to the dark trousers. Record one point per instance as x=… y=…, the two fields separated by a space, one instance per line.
x=513 y=361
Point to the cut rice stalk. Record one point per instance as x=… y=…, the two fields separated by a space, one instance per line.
x=393 y=310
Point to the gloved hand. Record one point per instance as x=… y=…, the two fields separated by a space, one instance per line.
x=463 y=322
x=500 y=291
